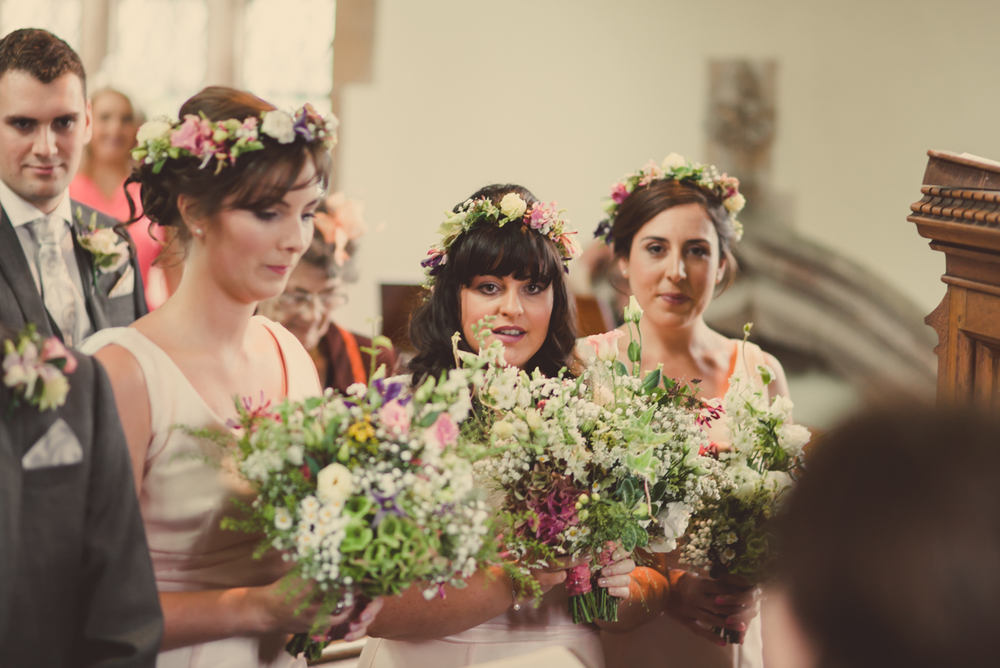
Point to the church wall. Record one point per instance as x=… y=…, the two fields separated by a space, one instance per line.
x=565 y=96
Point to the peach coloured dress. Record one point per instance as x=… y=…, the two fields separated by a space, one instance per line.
x=511 y=634
x=189 y=485
x=663 y=642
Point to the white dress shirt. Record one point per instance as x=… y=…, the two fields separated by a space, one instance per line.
x=20 y=214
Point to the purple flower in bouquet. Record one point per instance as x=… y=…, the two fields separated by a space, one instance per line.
x=390 y=390
x=555 y=509
x=387 y=503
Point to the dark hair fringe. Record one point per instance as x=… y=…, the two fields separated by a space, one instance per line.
x=41 y=54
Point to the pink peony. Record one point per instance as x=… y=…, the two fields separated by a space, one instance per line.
x=443 y=433
x=606 y=344
x=619 y=193
x=53 y=349
x=395 y=418
x=192 y=135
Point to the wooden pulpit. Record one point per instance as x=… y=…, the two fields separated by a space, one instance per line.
x=960 y=214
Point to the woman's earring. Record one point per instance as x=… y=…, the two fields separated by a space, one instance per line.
x=624 y=273
x=197 y=232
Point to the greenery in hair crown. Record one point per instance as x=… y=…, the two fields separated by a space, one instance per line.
x=543 y=218
x=198 y=137
x=675 y=166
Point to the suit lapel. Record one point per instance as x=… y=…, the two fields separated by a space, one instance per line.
x=14 y=266
x=96 y=301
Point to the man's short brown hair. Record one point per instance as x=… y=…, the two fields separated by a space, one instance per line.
x=41 y=54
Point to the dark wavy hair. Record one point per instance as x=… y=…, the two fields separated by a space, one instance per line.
x=257 y=180
x=497 y=251
x=41 y=54
x=649 y=201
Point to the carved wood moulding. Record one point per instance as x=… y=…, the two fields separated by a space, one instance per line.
x=960 y=214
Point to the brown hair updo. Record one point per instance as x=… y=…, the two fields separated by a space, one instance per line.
x=647 y=202
x=257 y=180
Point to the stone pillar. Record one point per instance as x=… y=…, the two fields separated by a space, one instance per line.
x=95 y=30
x=353 y=44
x=225 y=39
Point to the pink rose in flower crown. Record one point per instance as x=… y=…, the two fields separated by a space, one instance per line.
x=53 y=349
x=619 y=193
x=395 y=418
x=441 y=434
x=605 y=345
x=192 y=135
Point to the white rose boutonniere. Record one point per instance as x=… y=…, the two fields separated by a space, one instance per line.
x=279 y=124
x=109 y=251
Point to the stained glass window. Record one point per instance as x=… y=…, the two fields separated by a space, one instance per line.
x=160 y=55
x=60 y=17
x=288 y=51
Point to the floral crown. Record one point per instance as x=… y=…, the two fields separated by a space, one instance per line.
x=543 y=218
x=198 y=137
x=675 y=166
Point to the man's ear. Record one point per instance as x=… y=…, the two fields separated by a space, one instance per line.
x=88 y=132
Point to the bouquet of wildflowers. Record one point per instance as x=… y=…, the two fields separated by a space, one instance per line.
x=585 y=464
x=728 y=528
x=366 y=493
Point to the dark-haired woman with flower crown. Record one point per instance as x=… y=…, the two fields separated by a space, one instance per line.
x=502 y=255
x=672 y=227
x=237 y=182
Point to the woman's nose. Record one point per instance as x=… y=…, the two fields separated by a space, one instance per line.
x=676 y=271
x=510 y=304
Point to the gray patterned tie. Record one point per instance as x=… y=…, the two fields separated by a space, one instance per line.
x=58 y=291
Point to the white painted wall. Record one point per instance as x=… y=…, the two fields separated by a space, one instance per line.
x=564 y=96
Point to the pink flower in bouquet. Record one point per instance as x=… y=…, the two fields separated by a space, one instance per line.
x=192 y=135
x=554 y=508
x=53 y=349
x=395 y=418
x=606 y=344
x=578 y=580
x=443 y=433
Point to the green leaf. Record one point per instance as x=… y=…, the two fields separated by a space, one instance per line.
x=651 y=381
x=428 y=419
x=634 y=352
x=620 y=369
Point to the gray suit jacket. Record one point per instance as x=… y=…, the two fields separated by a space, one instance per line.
x=76 y=581
x=20 y=302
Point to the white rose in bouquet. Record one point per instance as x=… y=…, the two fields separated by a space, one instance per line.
x=674 y=519
x=334 y=483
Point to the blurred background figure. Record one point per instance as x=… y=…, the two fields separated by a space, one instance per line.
x=100 y=183
x=316 y=289
x=900 y=567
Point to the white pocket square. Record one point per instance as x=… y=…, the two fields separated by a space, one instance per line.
x=58 y=447
x=125 y=284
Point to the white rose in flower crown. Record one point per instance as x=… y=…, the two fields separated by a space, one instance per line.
x=735 y=203
x=279 y=124
x=334 y=483
x=673 y=161
x=513 y=206
x=151 y=131
x=674 y=519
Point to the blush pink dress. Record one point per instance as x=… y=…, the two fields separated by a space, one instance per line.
x=189 y=485
x=664 y=642
x=511 y=634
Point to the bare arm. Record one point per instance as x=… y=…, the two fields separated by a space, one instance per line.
x=487 y=594
x=128 y=384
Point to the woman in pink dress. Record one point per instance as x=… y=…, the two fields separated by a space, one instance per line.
x=244 y=223
x=516 y=274
x=672 y=228
x=107 y=163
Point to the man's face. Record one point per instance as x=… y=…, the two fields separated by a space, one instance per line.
x=43 y=129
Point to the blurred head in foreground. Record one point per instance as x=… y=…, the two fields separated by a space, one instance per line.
x=890 y=549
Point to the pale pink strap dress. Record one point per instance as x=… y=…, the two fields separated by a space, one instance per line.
x=511 y=634
x=189 y=485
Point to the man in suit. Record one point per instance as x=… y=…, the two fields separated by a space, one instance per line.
x=46 y=276
x=76 y=581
